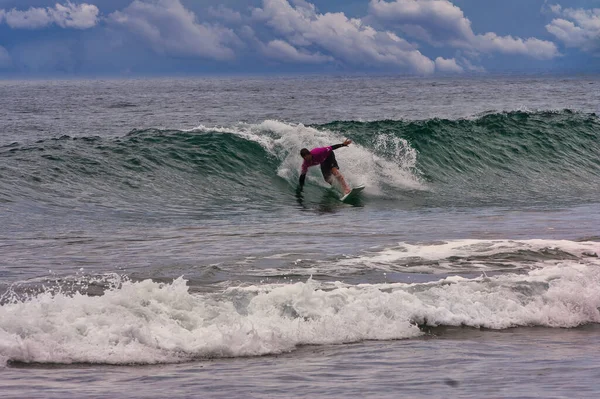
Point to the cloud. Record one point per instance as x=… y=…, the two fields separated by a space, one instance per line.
x=148 y=35
x=34 y=18
x=169 y=28
x=82 y=16
x=436 y=21
x=441 y=23
x=283 y=51
x=466 y=63
x=578 y=28
x=225 y=14
x=556 y=8
x=447 y=66
x=68 y=15
x=5 y=59
x=348 y=40
x=532 y=47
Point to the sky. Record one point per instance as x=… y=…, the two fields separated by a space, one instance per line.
x=41 y=38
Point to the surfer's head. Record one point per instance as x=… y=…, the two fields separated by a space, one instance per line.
x=304 y=153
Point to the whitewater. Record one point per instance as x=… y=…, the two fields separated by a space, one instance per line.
x=153 y=241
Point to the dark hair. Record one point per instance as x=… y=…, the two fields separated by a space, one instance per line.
x=304 y=152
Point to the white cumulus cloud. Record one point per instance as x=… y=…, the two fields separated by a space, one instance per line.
x=442 y=23
x=68 y=15
x=447 y=65
x=283 y=51
x=169 y=28
x=532 y=47
x=348 y=40
x=579 y=28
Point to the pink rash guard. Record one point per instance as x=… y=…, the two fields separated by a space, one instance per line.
x=319 y=155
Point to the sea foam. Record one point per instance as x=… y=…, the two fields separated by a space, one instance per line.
x=391 y=161
x=148 y=322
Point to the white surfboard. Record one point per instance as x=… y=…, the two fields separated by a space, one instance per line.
x=352 y=194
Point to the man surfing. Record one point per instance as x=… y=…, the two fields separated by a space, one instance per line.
x=325 y=157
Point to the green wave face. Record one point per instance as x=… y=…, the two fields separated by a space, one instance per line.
x=497 y=159
x=151 y=169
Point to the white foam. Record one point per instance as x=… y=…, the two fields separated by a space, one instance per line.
x=148 y=322
x=445 y=254
x=391 y=161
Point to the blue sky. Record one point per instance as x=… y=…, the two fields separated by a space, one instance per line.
x=198 y=37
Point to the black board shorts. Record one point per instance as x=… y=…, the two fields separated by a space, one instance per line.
x=329 y=163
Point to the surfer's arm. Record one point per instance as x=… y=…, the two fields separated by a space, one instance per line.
x=346 y=143
x=303 y=173
x=302 y=178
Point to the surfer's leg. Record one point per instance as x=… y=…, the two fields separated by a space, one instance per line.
x=330 y=167
x=336 y=172
x=327 y=176
x=326 y=167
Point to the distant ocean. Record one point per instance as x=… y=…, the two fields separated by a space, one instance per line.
x=153 y=243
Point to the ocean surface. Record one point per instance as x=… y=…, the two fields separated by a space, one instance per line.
x=153 y=242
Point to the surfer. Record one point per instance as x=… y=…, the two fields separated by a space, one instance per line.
x=325 y=157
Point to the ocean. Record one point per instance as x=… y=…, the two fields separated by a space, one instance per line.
x=153 y=242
